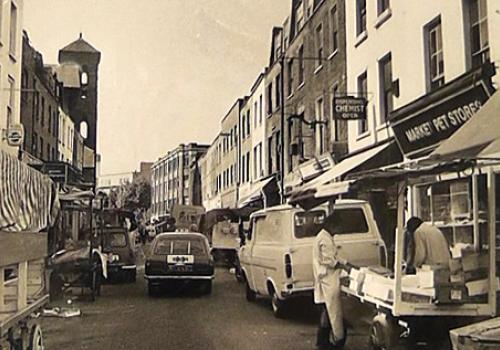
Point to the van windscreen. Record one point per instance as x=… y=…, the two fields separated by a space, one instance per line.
x=346 y=221
x=308 y=224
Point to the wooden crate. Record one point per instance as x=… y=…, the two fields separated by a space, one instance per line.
x=22 y=254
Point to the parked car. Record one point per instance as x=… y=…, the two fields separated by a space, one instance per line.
x=179 y=257
x=119 y=246
x=276 y=260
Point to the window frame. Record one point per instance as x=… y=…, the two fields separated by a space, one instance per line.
x=362 y=125
x=383 y=6
x=385 y=88
x=334 y=28
x=361 y=20
x=320 y=45
x=434 y=28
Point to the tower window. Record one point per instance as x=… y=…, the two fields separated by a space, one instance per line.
x=84 y=129
x=85 y=78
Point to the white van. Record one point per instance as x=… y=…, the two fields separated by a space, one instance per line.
x=276 y=260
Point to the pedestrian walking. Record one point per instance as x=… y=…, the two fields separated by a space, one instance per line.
x=327 y=266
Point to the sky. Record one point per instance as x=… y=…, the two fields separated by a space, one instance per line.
x=170 y=69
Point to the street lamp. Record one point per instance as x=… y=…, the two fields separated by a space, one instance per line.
x=311 y=124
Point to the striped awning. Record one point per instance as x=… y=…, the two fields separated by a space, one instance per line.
x=28 y=199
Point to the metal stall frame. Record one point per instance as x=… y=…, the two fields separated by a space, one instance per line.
x=405 y=180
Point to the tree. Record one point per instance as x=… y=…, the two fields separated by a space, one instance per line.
x=133 y=195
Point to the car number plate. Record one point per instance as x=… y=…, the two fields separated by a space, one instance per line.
x=180 y=259
x=181 y=268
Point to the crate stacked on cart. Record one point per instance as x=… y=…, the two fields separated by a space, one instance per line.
x=22 y=278
x=464 y=281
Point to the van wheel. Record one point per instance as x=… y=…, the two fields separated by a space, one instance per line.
x=250 y=294
x=278 y=306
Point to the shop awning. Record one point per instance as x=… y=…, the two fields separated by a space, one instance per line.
x=328 y=184
x=478 y=138
x=345 y=166
x=28 y=198
x=256 y=193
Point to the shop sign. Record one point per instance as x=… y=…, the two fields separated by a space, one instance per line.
x=350 y=108
x=421 y=129
x=15 y=135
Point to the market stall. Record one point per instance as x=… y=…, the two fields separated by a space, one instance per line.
x=79 y=263
x=28 y=208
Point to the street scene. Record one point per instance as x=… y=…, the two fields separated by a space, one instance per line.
x=285 y=174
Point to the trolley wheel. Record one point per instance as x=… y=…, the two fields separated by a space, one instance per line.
x=95 y=285
x=384 y=333
x=36 y=338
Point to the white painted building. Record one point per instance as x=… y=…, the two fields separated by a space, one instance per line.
x=115 y=180
x=66 y=137
x=253 y=142
x=10 y=67
x=211 y=196
x=420 y=44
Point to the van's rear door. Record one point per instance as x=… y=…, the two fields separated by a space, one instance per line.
x=306 y=226
x=357 y=237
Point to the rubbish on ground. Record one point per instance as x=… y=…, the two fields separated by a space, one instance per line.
x=61 y=312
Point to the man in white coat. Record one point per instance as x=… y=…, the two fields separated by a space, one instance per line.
x=327 y=268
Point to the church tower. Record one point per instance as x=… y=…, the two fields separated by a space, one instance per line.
x=82 y=103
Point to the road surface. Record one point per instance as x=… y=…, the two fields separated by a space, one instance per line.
x=124 y=317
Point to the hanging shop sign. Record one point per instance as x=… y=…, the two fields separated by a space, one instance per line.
x=421 y=126
x=15 y=135
x=350 y=108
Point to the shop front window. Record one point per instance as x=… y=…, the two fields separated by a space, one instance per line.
x=450 y=206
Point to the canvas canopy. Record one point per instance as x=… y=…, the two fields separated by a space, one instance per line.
x=28 y=199
x=478 y=138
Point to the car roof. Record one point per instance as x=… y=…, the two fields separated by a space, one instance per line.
x=173 y=235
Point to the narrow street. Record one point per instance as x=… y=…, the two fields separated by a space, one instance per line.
x=124 y=317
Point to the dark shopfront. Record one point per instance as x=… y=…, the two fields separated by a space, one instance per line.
x=419 y=128
x=454 y=202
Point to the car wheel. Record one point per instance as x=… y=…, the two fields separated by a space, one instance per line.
x=152 y=290
x=207 y=287
x=131 y=276
x=278 y=306
x=250 y=294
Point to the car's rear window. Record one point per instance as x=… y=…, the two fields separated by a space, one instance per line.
x=180 y=246
x=308 y=224
x=346 y=221
x=116 y=240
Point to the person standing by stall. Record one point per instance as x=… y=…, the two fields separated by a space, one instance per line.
x=427 y=245
x=327 y=266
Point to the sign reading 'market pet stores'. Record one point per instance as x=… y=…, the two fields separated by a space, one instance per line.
x=350 y=108
x=420 y=126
